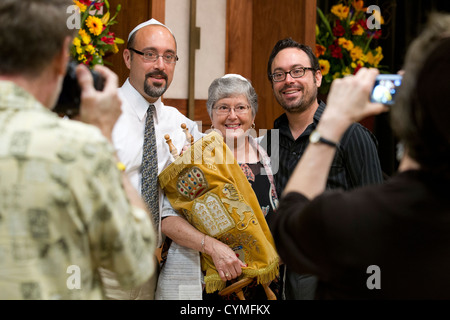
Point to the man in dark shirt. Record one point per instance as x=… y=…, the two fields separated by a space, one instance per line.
x=388 y=241
x=294 y=72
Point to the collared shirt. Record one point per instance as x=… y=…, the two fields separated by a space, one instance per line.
x=128 y=138
x=128 y=133
x=63 y=211
x=355 y=164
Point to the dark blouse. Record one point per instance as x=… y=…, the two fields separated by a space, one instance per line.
x=261 y=186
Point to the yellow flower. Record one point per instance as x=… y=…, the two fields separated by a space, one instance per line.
x=82 y=58
x=79 y=50
x=359 y=63
x=82 y=7
x=356 y=53
x=346 y=71
x=76 y=42
x=95 y=25
x=346 y=44
x=370 y=58
x=324 y=66
x=357 y=29
x=378 y=57
x=362 y=59
x=90 y=48
x=84 y=36
x=340 y=11
x=336 y=75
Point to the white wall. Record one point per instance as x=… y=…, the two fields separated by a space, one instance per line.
x=210 y=59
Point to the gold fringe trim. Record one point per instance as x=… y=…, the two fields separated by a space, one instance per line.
x=191 y=156
x=214 y=285
x=265 y=275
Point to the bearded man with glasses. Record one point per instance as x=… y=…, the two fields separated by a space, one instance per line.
x=295 y=75
x=138 y=135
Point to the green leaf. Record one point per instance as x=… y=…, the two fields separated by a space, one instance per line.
x=324 y=20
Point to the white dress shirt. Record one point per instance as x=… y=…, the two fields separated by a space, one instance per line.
x=128 y=139
x=128 y=133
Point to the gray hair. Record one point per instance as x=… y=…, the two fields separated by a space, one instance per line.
x=231 y=86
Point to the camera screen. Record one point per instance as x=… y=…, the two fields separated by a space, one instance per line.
x=385 y=89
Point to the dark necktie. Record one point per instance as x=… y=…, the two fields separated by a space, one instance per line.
x=149 y=188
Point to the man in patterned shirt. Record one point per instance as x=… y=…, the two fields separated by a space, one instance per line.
x=65 y=207
x=294 y=73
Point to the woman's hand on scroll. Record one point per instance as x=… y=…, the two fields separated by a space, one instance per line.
x=227 y=263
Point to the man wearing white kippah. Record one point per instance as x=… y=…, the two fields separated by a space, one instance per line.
x=151 y=57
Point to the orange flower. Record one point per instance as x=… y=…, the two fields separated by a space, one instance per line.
x=320 y=50
x=359 y=5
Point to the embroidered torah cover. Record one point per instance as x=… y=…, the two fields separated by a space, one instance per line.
x=209 y=188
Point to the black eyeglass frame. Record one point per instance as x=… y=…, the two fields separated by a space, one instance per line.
x=286 y=72
x=157 y=55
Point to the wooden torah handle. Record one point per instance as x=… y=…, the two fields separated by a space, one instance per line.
x=239 y=285
x=189 y=137
x=236 y=288
x=269 y=293
x=172 y=148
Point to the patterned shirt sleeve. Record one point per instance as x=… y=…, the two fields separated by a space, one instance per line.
x=122 y=238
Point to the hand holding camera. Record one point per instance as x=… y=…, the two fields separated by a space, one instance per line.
x=90 y=96
x=348 y=100
x=99 y=108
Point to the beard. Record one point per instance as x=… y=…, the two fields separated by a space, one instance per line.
x=301 y=105
x=155 y=90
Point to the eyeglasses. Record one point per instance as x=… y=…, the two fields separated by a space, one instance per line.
x=152 y=56
x=295 y=73
x=225 y=110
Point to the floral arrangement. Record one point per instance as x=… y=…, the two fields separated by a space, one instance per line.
x=344 y=41
x=94 y=39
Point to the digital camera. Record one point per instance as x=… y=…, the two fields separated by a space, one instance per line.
x=70 y=97
x=385 y=88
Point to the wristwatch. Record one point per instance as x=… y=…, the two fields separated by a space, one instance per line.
x=315 y=137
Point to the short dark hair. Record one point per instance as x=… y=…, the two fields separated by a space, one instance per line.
x=290 y=43
x=32 y=32
x=420 y=115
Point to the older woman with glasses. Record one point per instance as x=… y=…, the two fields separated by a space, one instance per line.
x=232 y=106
